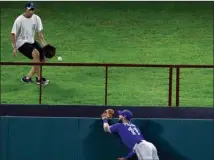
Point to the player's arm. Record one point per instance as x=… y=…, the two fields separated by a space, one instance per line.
x=41 y=38
x=13 y=40
x=106 y=125
x=39 y=32
x=129 y=156
x=15 y=29
x=131 y=153
x=107 y=128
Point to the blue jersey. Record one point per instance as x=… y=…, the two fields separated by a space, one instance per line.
x=128 y=132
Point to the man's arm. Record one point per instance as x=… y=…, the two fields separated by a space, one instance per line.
x=41 y=38
x=112 y=129
x=15 y=28
x=130 y=155
x=39 y=29
x=13 y=40
x=106 y=125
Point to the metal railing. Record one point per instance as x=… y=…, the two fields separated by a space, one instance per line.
x=107 y=65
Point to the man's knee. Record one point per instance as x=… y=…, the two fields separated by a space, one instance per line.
x=35 y=54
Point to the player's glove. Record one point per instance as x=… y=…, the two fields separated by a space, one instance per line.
x=49 y=51
x=108 y=113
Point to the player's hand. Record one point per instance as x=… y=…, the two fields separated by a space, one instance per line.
x=104 y=117
x=108 y=113
x=121 y=159
x=15 y=52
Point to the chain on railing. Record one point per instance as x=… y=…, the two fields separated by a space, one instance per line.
x=107 y=65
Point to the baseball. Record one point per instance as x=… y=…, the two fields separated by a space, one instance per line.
x=59 y=58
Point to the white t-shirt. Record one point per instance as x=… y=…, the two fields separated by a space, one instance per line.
x=25 y=28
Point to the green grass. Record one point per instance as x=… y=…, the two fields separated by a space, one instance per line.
x=116 y=32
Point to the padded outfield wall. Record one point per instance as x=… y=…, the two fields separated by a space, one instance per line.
x=75 y=132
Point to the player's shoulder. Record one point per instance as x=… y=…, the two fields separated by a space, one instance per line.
x=36 y=16
x=19 y=18
x=115 y=127
x=117 y=124
x=129 y=124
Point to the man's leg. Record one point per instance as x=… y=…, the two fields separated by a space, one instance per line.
x=155 y=153
x=36 y=58
x=144 y=151
x=27 y=50
x=31 y=73
x=38 y=71
x=42 y=59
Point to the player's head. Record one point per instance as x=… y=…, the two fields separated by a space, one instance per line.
x=125 y=115
x=29 y=9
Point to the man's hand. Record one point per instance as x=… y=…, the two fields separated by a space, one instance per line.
x=15 y=52
x=104 y=117
x=108 y=113
x=121 y=159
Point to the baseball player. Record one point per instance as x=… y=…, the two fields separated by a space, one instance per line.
x=22 y=37
x=131 y=137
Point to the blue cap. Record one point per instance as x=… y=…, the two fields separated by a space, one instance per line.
x=126 y=113
x=30 y=5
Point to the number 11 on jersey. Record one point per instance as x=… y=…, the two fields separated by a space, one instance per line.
x=134 y=131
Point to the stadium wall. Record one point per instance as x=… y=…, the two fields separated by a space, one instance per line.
x=82 y=138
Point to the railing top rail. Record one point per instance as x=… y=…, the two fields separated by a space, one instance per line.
x=109 y=65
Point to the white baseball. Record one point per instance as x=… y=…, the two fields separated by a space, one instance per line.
x=59 y=58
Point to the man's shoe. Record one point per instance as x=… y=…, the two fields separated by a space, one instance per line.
x=24 y=79
x=43 y=82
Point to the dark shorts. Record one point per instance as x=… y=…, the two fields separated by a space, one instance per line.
x=27 y=49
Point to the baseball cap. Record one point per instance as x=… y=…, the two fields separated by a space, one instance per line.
x=125 y=113
x=30 y=5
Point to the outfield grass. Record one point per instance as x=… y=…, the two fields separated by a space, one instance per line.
x=110 y=32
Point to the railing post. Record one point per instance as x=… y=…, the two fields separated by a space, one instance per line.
x=106 y=85
x=40 y=85
x=177 y=86
x=170 y=86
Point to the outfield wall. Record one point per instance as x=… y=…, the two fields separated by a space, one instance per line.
x=83 y=139
x=77 y=138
